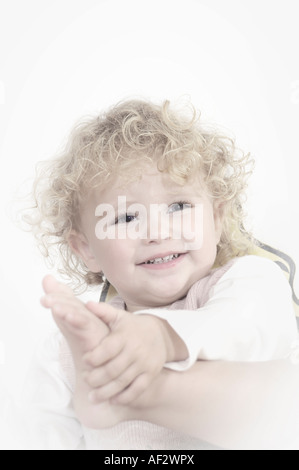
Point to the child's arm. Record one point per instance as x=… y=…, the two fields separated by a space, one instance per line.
x=117 y=358
x=207 y=400
x=128 y=359
x=230 y=405
x=249 y=317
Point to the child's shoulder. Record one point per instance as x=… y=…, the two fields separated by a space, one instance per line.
x=248 y=266
x=259 y=268
x=259 y=272
x=256 y=265
x=253 y=260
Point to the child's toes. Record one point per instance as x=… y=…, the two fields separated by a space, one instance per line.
x=60 y=311
x=51 y=286
x=77 y=321
x=69 y=316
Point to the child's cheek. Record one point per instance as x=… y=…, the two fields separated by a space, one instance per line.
x=193 y=228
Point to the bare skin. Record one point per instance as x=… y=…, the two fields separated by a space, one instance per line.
x=111 y=348
x=82 y=330
x=231 y=405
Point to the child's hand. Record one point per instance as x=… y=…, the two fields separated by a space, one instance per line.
x=129 y=358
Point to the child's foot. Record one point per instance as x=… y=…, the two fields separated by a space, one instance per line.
x=83 y=331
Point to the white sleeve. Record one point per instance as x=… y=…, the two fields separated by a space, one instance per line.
x=47 y=402
x=249 y=317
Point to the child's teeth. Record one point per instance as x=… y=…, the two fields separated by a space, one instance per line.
x=162 y=260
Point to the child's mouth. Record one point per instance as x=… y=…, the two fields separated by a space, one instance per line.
x=166 y=261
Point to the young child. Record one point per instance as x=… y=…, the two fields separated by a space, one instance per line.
x=147 y=198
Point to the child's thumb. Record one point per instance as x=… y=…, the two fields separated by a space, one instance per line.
x=105 y=312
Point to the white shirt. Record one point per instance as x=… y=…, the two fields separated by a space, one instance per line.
x=248 y=317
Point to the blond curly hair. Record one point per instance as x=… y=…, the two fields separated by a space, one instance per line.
x=122 y=141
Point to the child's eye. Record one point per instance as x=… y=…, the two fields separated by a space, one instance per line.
x=179 y=206
x=125 y=218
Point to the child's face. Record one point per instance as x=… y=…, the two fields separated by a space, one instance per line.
x=134 y=265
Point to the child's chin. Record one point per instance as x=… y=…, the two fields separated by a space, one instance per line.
x=172 y=294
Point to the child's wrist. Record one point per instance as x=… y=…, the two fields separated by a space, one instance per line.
x=178 y=350
x=175 y=347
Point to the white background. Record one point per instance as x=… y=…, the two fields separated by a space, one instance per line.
x=61 y=59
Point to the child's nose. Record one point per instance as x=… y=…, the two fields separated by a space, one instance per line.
x=158 y=236
x=158 y=229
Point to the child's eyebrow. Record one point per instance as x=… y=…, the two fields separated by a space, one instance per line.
x=185 y=194
x=114 y=205
x=168 y=197
x=122 y=202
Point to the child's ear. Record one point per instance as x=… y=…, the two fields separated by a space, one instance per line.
x=80 y=246
x=218 y=219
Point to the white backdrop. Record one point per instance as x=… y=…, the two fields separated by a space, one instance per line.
x=237 y=60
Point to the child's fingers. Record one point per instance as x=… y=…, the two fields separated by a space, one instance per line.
x=110 y=348
x=131 y=393
x=105 y=312
x=114 y=387
x=116 y=368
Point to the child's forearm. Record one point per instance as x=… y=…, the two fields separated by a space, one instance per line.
x=230 y=405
